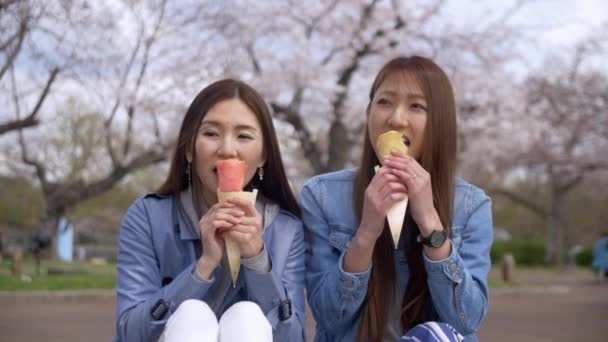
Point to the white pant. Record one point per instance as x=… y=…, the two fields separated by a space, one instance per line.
x=194 y=321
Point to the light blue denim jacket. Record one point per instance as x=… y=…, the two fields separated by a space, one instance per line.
x=458 y=284
x=158 y=250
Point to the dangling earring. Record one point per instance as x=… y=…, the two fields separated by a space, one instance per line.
x=261 y=173
x=189 y=173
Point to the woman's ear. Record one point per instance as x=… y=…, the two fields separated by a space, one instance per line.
x=189 y=155
x=262 y=163
x=264 y=158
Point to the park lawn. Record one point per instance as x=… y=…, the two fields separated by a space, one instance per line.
x=57 y=275
x=82 y=275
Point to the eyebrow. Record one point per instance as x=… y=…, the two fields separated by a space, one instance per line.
x=409 y=95
x=239 y=127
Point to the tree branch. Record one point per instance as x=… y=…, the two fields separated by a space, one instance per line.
x=315 y=20
x=23 y=29
x=70 y=194
x=40 y=170
x=31 y=119
x=129 y=130
x=290 y=114
x=121 y=85
x=10 y=40
x=254 y=61
x=568 y=184
x=142 y=72
x=515 y=198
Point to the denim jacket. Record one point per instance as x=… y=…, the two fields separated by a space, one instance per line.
x=158 y=250
x=457 y=284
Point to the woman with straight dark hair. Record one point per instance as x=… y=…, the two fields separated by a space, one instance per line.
x=174 y=274
x=363 y=286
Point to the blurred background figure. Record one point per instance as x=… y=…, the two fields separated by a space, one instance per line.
x=65 y=240
x=39 y=243
x=600 y=257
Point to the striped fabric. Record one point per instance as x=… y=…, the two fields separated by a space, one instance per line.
x=432 y=332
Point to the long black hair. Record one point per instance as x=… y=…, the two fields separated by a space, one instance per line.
x=274 y=185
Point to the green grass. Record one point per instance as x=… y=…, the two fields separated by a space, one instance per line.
x=76 y=275
x=80 y=275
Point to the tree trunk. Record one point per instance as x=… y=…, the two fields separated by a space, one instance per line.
x=559 y=239
x=554 y=226
x=50 y=223
x=551 y=224
x=339 y=147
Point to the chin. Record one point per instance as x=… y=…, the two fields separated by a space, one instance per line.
x=210 y=183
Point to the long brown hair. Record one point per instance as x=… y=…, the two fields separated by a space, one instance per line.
x=439 y=159
x=274 y=185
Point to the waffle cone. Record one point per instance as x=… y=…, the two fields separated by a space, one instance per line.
x=232 y=249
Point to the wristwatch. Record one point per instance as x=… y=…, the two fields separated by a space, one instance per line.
x=435 y=240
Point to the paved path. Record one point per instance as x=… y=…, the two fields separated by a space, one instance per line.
x=572 y=308
x=559 y=313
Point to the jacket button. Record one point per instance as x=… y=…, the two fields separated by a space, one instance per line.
x=348 y=283
x=452 y=267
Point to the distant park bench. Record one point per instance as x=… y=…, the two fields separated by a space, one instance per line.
x=107 y=252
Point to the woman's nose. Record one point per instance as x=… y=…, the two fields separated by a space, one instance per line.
x=227 y=149
x=399 y=118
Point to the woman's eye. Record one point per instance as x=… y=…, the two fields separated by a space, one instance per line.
x=245 y=136
x=418 y=106
x=209 y=133
x=383 y=102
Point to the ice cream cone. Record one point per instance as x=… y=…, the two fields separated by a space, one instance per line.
x=232 y=249
x=385 y=143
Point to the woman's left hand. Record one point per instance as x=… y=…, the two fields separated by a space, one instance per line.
x=419 y=190
x=248 y=233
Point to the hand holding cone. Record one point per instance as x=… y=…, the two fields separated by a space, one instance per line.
x=385 y=143
x=231 y=175
x=232 y=249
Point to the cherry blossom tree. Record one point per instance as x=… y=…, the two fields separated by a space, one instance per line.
x=559 y=137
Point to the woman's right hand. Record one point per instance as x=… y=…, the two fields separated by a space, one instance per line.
x=381 y=194
x=220 y=215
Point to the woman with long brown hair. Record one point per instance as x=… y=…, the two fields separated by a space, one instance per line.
x=175 y=279
x=362 y=284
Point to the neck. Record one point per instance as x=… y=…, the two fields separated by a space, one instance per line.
x=209 y=198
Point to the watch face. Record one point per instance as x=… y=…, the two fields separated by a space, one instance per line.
x=437 y=238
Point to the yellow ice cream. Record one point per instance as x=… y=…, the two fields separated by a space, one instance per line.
x=388 y=141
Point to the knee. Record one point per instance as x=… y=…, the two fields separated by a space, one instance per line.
x=194 y=306
x=194 y=311
x=433 y=331
x=192 y=320
x=243 y=310
x=245 y=321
